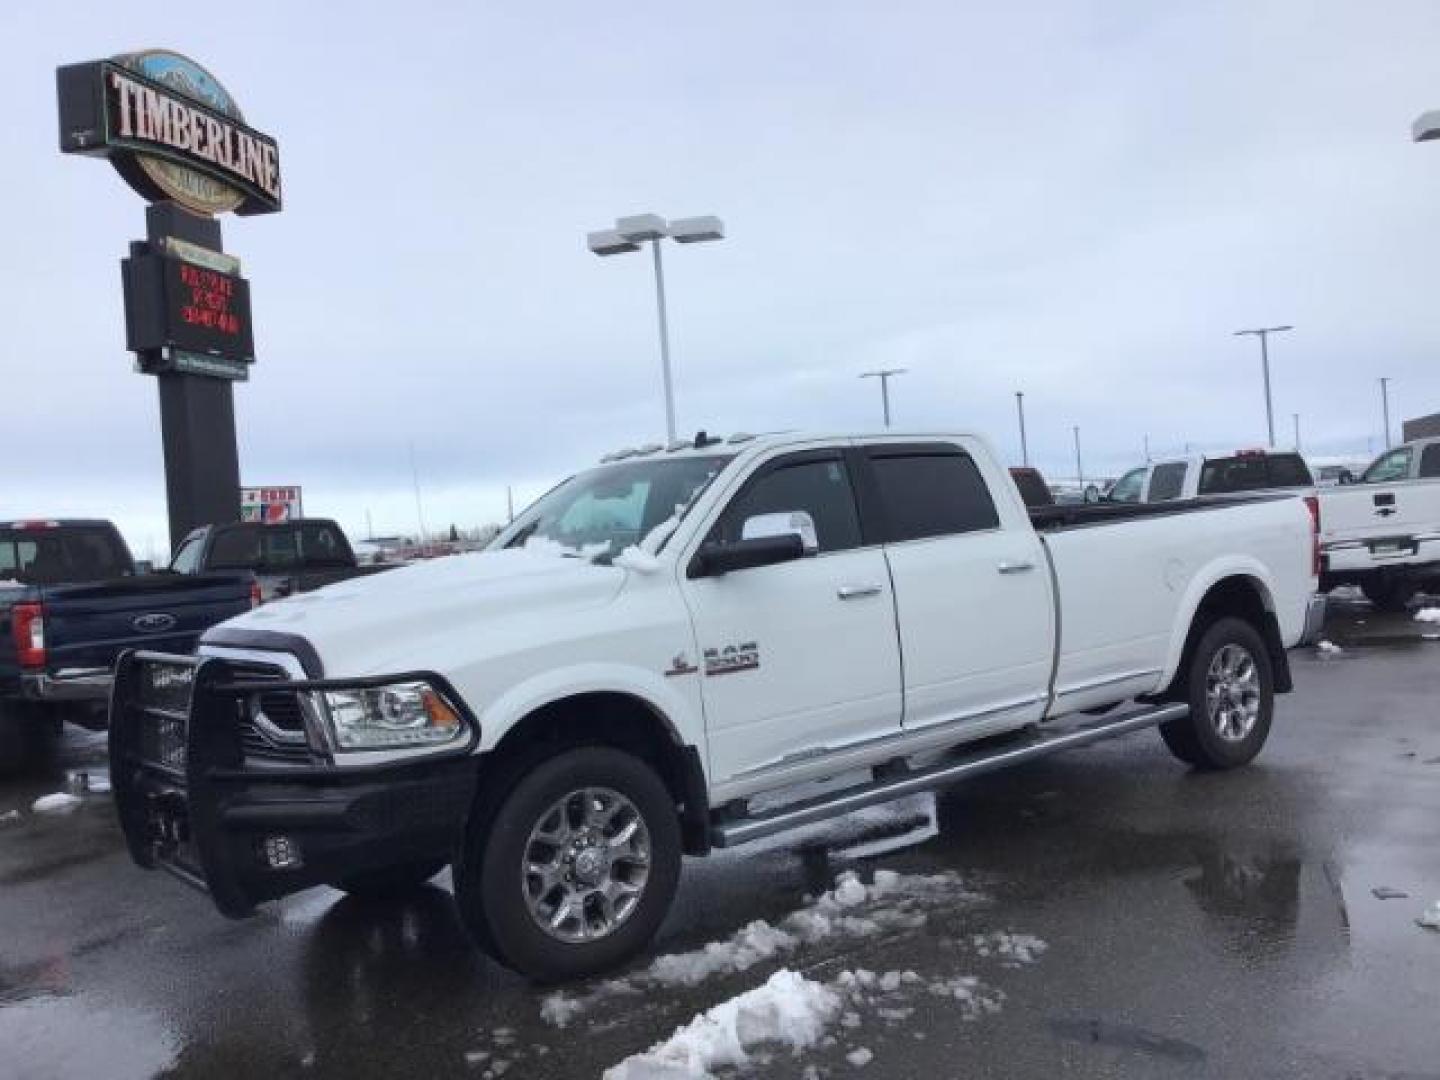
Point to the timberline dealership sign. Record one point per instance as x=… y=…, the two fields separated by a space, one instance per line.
x=171 y=130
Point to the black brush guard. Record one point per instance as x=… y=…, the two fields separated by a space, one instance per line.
x=190 y=803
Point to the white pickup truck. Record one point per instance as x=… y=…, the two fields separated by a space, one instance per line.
x=1382 y=533
x=665 y=637
x=1192 y=475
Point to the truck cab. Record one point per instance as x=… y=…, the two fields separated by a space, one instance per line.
x=1195 y=475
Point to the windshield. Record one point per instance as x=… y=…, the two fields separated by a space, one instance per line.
x=599 y=513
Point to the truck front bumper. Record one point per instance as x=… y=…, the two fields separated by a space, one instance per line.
x=191 y=803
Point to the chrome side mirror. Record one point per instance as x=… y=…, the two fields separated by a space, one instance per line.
x=787 y=523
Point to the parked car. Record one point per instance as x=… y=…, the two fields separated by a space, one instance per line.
x=1330 y=472
x=288 y=557
x=666 y=653
x=1383 y=532
x=71 y=600
x=1193 y=475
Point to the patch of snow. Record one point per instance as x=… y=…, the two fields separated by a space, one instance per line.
x=787 y=1009
x=1430 y=918
x=852 y=909
x=61 y=802
x=1428 y=615
x=9 y=815
x=641 y=562
x=1326 y=647
x=860 y=1057
x=973 y=996
x=1015 y=948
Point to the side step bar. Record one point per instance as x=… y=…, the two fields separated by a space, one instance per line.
x=808 y=811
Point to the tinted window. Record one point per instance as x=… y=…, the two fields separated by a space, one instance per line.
x=1032 y=487
x=53 y=556
x=236 y=549
x=1388 y=467
x=820 y=488
x=1430 y=460
x=1167 y=482
x=1224 y=475
x=323 y=545
x=1127 y=489
x=932 y=494
x=1289 y=470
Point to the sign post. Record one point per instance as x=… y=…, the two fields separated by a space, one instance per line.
x=177 y=137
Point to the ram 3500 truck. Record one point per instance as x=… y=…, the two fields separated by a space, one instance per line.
x=665 y=637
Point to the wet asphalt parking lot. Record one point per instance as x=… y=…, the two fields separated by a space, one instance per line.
x=1258 y=923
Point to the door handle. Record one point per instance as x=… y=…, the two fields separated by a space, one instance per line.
x=855 y=592
x=1008 y=567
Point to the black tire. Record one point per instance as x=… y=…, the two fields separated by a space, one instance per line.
x=27 y=737
x=1198 y=740
x=490 y=887
x=1389 y=594
x=392 y=880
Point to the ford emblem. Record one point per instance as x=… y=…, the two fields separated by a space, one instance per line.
x=155 y=623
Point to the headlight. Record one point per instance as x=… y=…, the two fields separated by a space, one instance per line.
x=406 y=714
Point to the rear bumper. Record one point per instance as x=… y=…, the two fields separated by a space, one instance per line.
x=1359 y=557
x=88 y=684
x=189 y=804
x=1314 y=619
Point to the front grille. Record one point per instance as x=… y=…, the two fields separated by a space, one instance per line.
x=162 y=739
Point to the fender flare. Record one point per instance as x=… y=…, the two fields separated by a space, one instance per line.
x=1199 y=587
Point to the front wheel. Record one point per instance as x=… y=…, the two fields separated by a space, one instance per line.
x=573 y=873
x=1230 y=688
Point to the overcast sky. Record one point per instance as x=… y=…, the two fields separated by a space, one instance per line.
x=1079 y=200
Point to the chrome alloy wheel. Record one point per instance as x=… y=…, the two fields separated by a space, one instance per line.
x=585 y=865
x=1232 y=692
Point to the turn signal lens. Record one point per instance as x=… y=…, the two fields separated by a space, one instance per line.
x=440 y=714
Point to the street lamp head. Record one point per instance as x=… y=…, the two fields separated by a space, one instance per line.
x=697 y=230
x=1427 y=128
x=641 y=227
x=609 y=242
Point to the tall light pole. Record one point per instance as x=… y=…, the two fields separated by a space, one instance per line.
x=1385 y=407
x=1079 y=470
x=1263 y=333
x=1296 y=417
x=1020 y=408
x=628 y=235
x=884 y=375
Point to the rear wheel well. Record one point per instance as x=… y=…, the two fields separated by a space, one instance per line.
x=1237 y=597
x=612 y=719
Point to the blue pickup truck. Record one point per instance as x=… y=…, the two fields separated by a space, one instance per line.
x=71 y=601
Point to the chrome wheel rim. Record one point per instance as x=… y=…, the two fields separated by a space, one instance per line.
x=1232 y=692
x=585 y=865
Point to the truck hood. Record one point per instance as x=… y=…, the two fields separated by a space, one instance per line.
x=359 y=626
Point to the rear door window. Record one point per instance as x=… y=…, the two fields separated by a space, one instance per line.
x=236 y=549
x=1222 y=476
x=323 y=545
x=1289 y=470
x=1167 y=482
x=928 y=493
x=1127 y=489
x=1430 y=460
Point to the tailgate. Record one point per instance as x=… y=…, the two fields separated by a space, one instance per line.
x=88 y=626
x=1380 y=513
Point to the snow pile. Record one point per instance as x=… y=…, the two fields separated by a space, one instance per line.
x=852 y=909
x=1327 y=647
x=974 y=997
x=860 y=1057
x=641 y=558
x=1428 y=614
x=8 y=816
x=1430 y=919
x=787 y=1010
x=632 y=558
x=1014 y=949
x=61 y=802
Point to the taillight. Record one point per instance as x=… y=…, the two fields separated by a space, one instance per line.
x=27 y=627
x=256 y=597
x=1312 y=503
